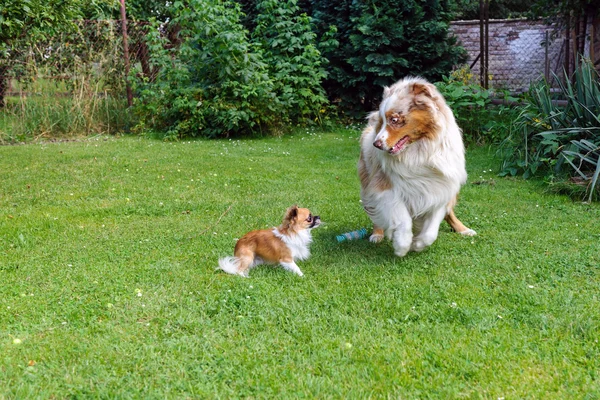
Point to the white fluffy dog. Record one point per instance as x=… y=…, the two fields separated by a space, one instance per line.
x=411 y=166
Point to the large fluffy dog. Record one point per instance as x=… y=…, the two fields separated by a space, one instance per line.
x=411 y=166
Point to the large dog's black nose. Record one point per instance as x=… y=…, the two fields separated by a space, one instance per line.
x=379 y=144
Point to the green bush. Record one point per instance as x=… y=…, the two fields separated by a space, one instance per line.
x=560 y=142
x=379 y=42
x=220 y=81
x=480 y=120
x=294 y=62
x=213 y=83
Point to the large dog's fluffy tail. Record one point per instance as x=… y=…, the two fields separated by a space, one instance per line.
x=229 y=264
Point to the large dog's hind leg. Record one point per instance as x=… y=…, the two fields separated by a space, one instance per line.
x=454 y=222
x=458 y=226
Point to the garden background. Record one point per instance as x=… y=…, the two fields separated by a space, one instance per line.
x=122 y=183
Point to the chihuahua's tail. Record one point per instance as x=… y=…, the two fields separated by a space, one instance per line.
x=230 y=265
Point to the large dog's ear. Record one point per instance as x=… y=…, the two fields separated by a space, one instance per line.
x=386 y=92
x=429 y=91
x=426 y=89
x=373 y=118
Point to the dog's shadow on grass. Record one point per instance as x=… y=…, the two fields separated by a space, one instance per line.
x=359 y=251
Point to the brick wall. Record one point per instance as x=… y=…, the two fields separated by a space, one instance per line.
x=517 y=51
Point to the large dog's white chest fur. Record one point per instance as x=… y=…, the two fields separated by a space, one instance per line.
x=421 y=188
x=425 y=177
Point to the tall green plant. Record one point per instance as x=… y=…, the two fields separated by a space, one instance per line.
x=380 y=42
x=481 y=121
x=294 y=62
x=214 y=83
x=555 y=139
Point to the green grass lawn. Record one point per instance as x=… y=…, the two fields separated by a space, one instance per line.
x=108 y=285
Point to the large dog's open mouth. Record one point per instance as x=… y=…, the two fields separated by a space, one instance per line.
x=399 y=145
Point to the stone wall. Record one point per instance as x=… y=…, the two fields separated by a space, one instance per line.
x=517 y=51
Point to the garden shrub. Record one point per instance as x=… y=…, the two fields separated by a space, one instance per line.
x=213 y=83
x=292 y=58
x=379 y=42
x=218 y=80
x=481 y=121
x=559 y=142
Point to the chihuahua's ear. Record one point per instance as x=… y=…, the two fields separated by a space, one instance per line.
x=290 y=216
x=291 y=213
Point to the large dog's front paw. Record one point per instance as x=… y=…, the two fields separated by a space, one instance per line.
x=418 y=245
x=402 y=243
x=402 y=251
x=422 y=241
x=376 y=237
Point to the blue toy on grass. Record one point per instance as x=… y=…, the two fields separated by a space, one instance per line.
x=354 y=235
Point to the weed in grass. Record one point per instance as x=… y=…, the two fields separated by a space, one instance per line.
x=109 y=289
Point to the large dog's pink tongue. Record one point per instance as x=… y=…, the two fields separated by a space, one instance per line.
x=399 y=145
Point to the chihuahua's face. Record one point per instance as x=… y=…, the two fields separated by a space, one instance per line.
x=298 y=219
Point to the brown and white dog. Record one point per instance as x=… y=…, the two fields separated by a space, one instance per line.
x=411 y=166
x=282 y=245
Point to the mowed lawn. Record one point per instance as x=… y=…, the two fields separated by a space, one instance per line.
x=108 y=286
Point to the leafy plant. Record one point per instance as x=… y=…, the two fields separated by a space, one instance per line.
x=558 y=140
x=587 y=153
x=217 y=80
x=480 y=120
x=292 y=58
x=379 y=42
x=213 y=83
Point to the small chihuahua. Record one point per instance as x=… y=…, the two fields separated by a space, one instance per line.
x=284 y=245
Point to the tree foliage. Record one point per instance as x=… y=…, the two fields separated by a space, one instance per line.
x=219 y=80
x=380 y=42
x=292 y=58
x=498 y=9
x=213 y=83
x=23 y=22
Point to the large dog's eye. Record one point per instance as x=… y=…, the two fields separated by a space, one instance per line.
x=396 y=120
